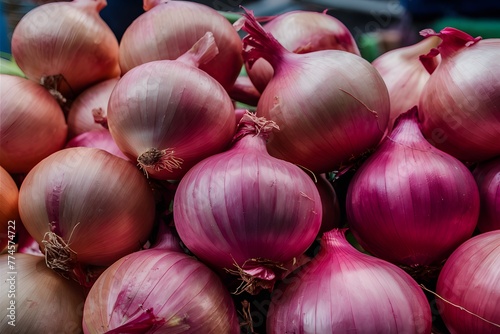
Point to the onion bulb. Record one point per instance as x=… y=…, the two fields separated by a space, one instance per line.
x=101 y=139
x=487 y=176
x=8 y=208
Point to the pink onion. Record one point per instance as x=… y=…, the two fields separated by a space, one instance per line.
x=169 y=114
x=460 y=105
x=302 y=31
x=172 y=27
x=159 y=291
x=342 y=290
x=247 y=212
x=330 y=204
x=469 y=286
x=101 y=139
x=487 y=175
x=244 y=91
x=66 y=45
x=404 y=74
x=92 y=101
x=37 y=300
x=410 y=203
x=8 y=209
x=331 y=106
x=85 y=206
x=32 y=124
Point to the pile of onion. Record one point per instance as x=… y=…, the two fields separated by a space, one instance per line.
x=487 y=176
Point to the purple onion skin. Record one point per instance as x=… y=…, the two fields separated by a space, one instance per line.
x=101 y=139
x=487 y=175
x=410 y=203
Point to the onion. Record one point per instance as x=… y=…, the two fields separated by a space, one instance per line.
x=66 y=44
x=159 y=291
x=172 y=27
x=410 y=203
x=331 y=106
x=168 y=114
x=244 y=91
x=469 y=286
x=37 y=300
x=404 y=75
x=32 y=125
x=8 y=208
x=101 y=139
x=330 y=204
x=342 y=290
x=93 y=100
x=460 y=105
x=487 y=176
x=243 y=208
x=302 y=31
x=85 y=206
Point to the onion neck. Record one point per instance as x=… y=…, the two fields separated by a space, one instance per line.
x=335 y=240
x=149 y=4
x=453 y=40
x=91 y=5
x=203 y=51
x=407 y=132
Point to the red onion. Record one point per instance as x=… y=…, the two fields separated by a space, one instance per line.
x=159 y=291
x=487 y=175
x=8 y=208
x=85 y=206
x=244 y=91
x=93 y=100
x=330 y=204
x=404 y=75
x=469 y=286
x=331 y=106
x=101 y=139
x=247 y=209
x=460 y=105
x=342 y=290
x=172 y=28
x=410 y=203
x=37 y=300
x=301 y=31
x=66 y=45
x=32 y=124
x=168 y=114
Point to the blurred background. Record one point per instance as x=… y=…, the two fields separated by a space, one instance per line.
x=377 y=25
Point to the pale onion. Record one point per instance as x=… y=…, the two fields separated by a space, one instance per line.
x=410 y=203
x=487 y=176
x=32 y=124
x=404 y=74
x=101 y=139
x=40 y=300
x=159 y=291
x=169 y=114
x=169 y=29
x=85 y=206
x=8 y=208
x=468 y=286
x=331 y=106
x=342 y=290
x=460 y=105
x=302 y=31
x=92 y=101
x=247 y=212
x=66 y=45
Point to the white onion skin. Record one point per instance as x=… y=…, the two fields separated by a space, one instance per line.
x=32 y=124
x=8 y=207
x=470 y=279
x=45 y=302
x=102 y=205
x=171 y=28
x=487 y=176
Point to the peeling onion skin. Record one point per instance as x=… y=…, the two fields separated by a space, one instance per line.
x=470 y=279
x=487 y=175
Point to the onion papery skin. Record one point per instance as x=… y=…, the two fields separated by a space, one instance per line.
x=459 y=107
x=168 y=29
x=410 y=203
x=68 y=39
x=245 y=208
x=98 y=206
x=93 y=99
x=100 y=138
x=174 y=292
x=8 y=208
x=342 y=290
x=404 y=74
x=302 y=31
x=44 y=301
x=470 y=279
x=347 y=117
x=168 y=105
x=487 y=176
x=32 y=124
